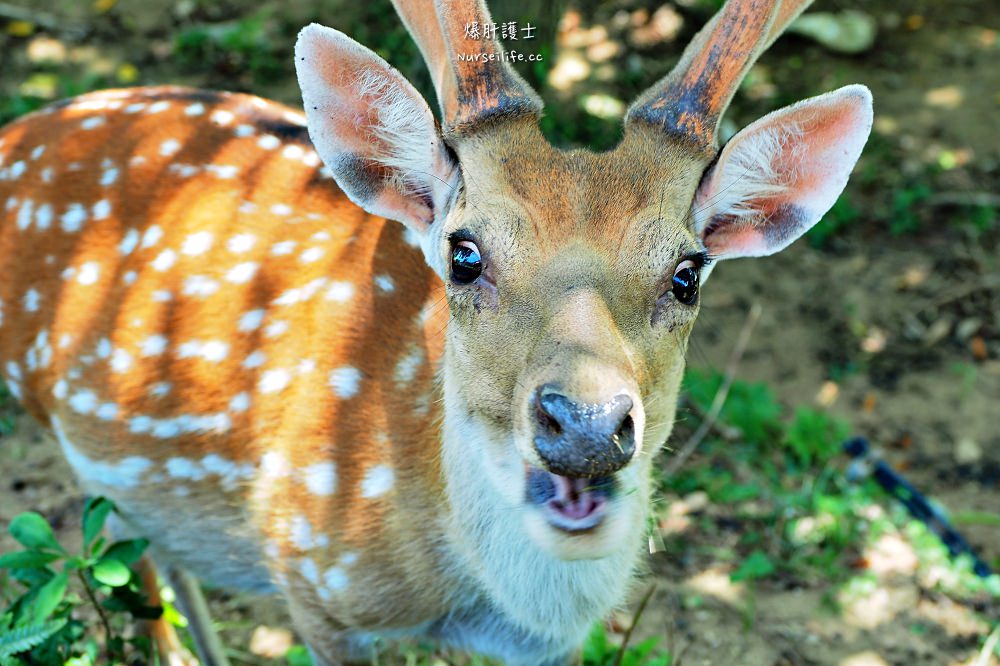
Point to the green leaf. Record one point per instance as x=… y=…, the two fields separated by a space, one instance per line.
x=32 y=531
x=814 y=436
x=25 y=638
x=128 y=552
x=94 y=514
x=49 y=596
x=27 y=559
x=298 y=655
x=111 y=572
x=757 y=565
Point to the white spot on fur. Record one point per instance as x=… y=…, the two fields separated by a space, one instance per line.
x=200 y=285
x=24 y=214
x=269 y=142
x=32 y=299
x=274 y=465
x=274 y=381
x=121 y=360
x=92 y=122
x=321 y=478
x=340 y=292
x=385 y=283
x=108 y=177
x=251 y=321
x=130 y=241
x=60 y=389
x=240 y=402
x=102 y=209
x=407 y=367
x=283 y=247
x=152 y=236
x=312 y=255
x=377 y=482
x=107 y=411
x=281 y=209
x=195 y=109
x=73 y=218
x=89 y=273
x=309 y=570
x=197 y=243
x=182 y=468
x=83 y=402
x=242 y=273
x=223 y=171
x=276 y=329
x=255 y=360
x=126 y=473
x=301 y=534
x=241 y=243
x=165 y=260
x=170 y=147
x=345 y=381
x=221 y=117
x=14 y=370
x=43 y=217
x=214 y=351
x=336 y=579
x=154 y=345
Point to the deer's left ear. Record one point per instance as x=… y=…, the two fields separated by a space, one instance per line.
x=776 y=178
x=372 y=129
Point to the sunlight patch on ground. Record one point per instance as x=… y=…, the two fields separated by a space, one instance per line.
x=891 y=554
x=715 y=582
x=866 y=658
x=867 y=604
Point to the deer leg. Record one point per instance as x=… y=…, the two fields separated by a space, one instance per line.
x=191 y=603
x=164 y=636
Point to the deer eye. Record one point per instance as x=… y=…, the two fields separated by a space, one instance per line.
x=466 y=262
x=684 y=284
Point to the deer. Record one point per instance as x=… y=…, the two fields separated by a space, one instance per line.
x=411 y=374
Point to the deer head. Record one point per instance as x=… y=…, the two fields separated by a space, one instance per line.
x=572 y=277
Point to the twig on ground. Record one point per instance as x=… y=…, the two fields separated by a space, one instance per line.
x=635 y=621
x=678 y=460
x=988 y=648
x=725 y=431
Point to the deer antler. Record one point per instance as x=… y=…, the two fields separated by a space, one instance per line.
x=689 y=101
x=471 y=93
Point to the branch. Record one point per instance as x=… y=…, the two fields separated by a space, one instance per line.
x=708 y=422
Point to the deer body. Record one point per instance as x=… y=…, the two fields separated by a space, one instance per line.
x=445 y=429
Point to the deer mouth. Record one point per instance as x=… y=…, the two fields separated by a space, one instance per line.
x=569 y=504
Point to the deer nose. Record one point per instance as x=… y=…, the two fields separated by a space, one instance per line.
x=583 y=440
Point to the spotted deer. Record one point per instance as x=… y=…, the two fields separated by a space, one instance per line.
x=440 y=428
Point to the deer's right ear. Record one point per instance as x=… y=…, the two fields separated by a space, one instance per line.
x=373 y=129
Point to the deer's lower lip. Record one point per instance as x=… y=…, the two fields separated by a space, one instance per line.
x=569 y=504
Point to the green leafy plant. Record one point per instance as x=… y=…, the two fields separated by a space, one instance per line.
x=814 y=436
x=43 y=624
x=598 y=650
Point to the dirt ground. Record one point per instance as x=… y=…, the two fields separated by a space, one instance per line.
x=895 y=329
